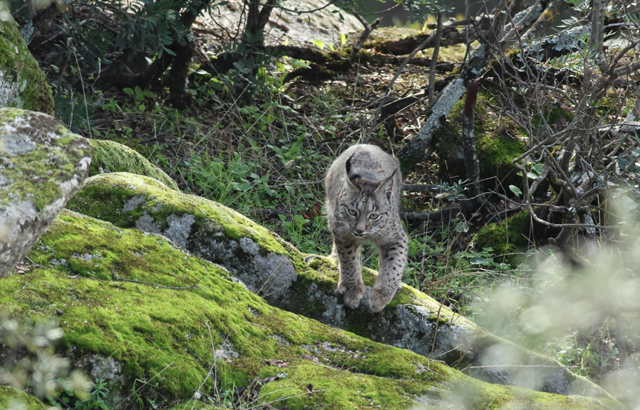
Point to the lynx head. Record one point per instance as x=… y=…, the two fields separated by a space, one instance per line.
x=365 y=206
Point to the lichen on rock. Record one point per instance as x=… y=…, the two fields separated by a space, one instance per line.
x=41 y=166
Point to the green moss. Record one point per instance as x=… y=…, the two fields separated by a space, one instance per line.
x=165 y=336
x=380 y=37
x=552 y=114
x=22 y=83
x=104 y=196
x=497 y=144
x=104 y=282
x=312 y=294
x=10 y=398
x=305 y=385
x=508 y=237
x=110 y=156
x=337 y=389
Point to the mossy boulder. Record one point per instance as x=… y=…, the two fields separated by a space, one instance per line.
x=162 y=326
x=498 y=143
x=14 y=399
x=42 y=164
x=110 y=156
x=276 y=271
x=509 y=237
x=22 y=83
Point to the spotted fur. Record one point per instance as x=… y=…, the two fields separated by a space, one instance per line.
x=363 y=187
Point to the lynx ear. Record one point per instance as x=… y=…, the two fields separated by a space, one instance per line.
x=386 y=186
x=352 y=173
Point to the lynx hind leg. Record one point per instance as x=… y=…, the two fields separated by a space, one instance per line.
x=389 y=280
x=350 y=283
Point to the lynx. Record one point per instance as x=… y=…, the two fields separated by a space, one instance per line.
x=363 y=187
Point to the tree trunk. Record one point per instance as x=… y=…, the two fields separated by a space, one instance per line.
x=257 y=20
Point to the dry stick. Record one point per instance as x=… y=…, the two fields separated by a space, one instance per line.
x=307 y=11
x=421 y=188
x=368 y=28
x=468 y=141
x=434 y=59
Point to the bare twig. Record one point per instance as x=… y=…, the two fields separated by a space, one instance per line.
x=307 y=11
x=368 y=28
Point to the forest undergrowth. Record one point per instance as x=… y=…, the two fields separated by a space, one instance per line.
x=261 y=145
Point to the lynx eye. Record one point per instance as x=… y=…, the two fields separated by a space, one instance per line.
x=352 y=212
x=374 y=216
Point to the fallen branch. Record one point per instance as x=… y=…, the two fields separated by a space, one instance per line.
x=414 y=151
x=431 y=216
x=421 y=188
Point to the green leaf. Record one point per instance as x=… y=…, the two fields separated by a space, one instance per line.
x=298 y=63
x=515 y=190
x=478 y=260
x=538 y=168
x=128 y=91
x=318 y=43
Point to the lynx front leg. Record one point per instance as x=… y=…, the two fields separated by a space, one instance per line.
x=393 y=257
x=350 y=284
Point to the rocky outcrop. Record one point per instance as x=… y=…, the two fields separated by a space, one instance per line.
x=41 y=167
x=22 y=83
x=298 y=29
x=110 y=156
x=276 y=271
x=162 y=326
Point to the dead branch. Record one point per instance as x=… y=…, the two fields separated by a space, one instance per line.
x=414 y=151
x=368 y=28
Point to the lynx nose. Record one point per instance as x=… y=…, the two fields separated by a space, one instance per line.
x=360 y=228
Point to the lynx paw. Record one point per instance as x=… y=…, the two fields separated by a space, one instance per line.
x=352 y=295
x=378 y=300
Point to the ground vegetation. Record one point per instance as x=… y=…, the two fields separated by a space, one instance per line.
x=517 y=131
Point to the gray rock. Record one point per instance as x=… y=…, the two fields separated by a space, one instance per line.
x=300 y=29
x=41 y=167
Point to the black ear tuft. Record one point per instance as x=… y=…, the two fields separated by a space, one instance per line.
x=386 y=186
x=352 y=173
